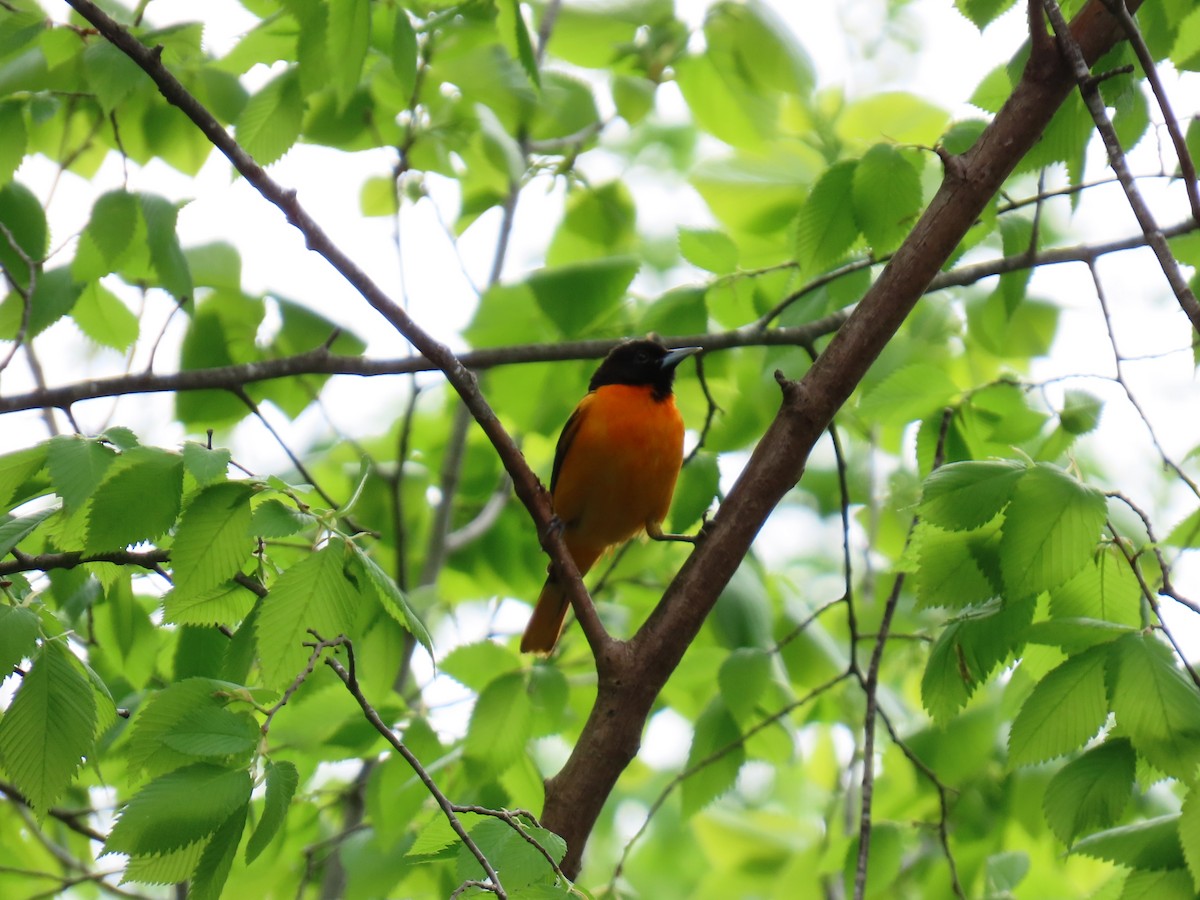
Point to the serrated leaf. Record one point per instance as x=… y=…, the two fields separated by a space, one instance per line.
x=113 y=222
x=18 y=636
x=22 y=214
x=274 y=519
x=212 y=870
x=77 y=467
x=102 y=316
x=742 y=678
x=13 y=531
x=270 y=122
x=179 y=808
x=887 y=197
x=17 y=468
x=161 y=714
x=1066 y=708
x=500 y=724
x=956 y=568
x=476 y=665
x=1051 y=529
x=825 y=226
x=1150 y=844
x=909 y=393
x=964 y=495
x=1107 y=590
x=313 y=594
x=111 y=74
x=225 y=604
x=1156 y=704
x=204 y=464
x=212 y=539
x=282 y=779
x=165 y=868
x=165 y=252
x=716 y=731
x=16 y=139
x=347 y=36
x=1159 y=884
x=49 y=727
x=708 y=249
x=523 y=863
x=1189 y=835
x=213 y=731
x=1091 y=791
x=138 y=501
x=393 y=599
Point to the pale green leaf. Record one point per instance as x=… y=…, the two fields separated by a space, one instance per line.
x=224 y=604
x=212 y=870
x=714 y=759
x=742 y=678
x=476 y=665
x=1051 y=529
x=17 y=468
x=887 y=197
x=392 y=598
x=270 y=123
x=15 y=530
x=708 y=249
x=1189 y=835
x=214 y=731
x=965 y=495
x=825 y=227
x=16 y=137
x=18 y=636
x=347 y=36
x=522 y=863
x=282 y=779
x=178 y=808
x=275 y=519
x=1091 y=791
x=500 y=724
x=161 y=714
x=909 y=393
x=165 y=252
x=315 y=594
x=213 y=539
x=138 y=501
x=956 y=568
x=77 y=467
x=1155 y=704
x=102 y=316
x=1065 y=710
x=1149 y=844
x=49 y=727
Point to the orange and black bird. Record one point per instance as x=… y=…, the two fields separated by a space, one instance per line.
x=614 y=468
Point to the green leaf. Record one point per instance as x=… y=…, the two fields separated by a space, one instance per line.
x=17 y=468
x=162 y=714
x=1063 y=712
x=1167 y=884
x=825 y=227
x=23 y=216
x=1105 y=590
x=178 y=808
x=1091 y=791
x=708 y=249
x=477 y=665
x=213 y=868
x=204 y=464
x=965 y=495
x=282 y=779
x=378 y=196
x=1150 y=844
x=1080 y=413
x=18 y=636
x=317 y=593
x=113 y=222
x=270 y=123
x=214 y=731
x=515 y=35
x=598 y=223
x=15 y=530
x=500 y=724
x=956 y=568
x=698 y=484
x=275 y=519
x=138 y=501
x=217 y=265
x=1155 y=704
x=111 y=74
x=1189 y=835
x=165 y=252
x=716 y=733
x=53 y=297
x=165 y=868
x=225 y=604
x=887 y=197
x=393 y=599
x=404 y=53
x=894 y=116
x=743 y=677
x=1051 y=529
x=347 y=37
x=522 y=863
x=102 y=316
x=16 y=138
x=77 y=467
x=633 y=97
x=575 y=296
x=213 y=538
x=909 y=393
x=49 y=726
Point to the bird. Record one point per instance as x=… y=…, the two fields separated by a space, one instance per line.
x=615 y=467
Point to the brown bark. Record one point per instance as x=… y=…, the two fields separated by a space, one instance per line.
x=632 y=673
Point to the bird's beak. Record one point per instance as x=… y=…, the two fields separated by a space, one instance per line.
x=675 y=357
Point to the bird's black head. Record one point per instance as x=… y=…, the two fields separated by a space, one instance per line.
x=642 y=363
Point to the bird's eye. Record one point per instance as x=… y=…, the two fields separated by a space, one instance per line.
x=643 y=356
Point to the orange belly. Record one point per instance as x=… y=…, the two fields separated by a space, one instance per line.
x=619 y=472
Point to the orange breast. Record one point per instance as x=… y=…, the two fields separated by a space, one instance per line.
x=619 y=471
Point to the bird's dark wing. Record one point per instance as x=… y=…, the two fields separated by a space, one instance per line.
x=565 y=439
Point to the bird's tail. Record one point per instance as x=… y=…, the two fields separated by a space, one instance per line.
x=546 y=623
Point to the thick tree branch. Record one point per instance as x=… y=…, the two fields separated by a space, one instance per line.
x=630 y=681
